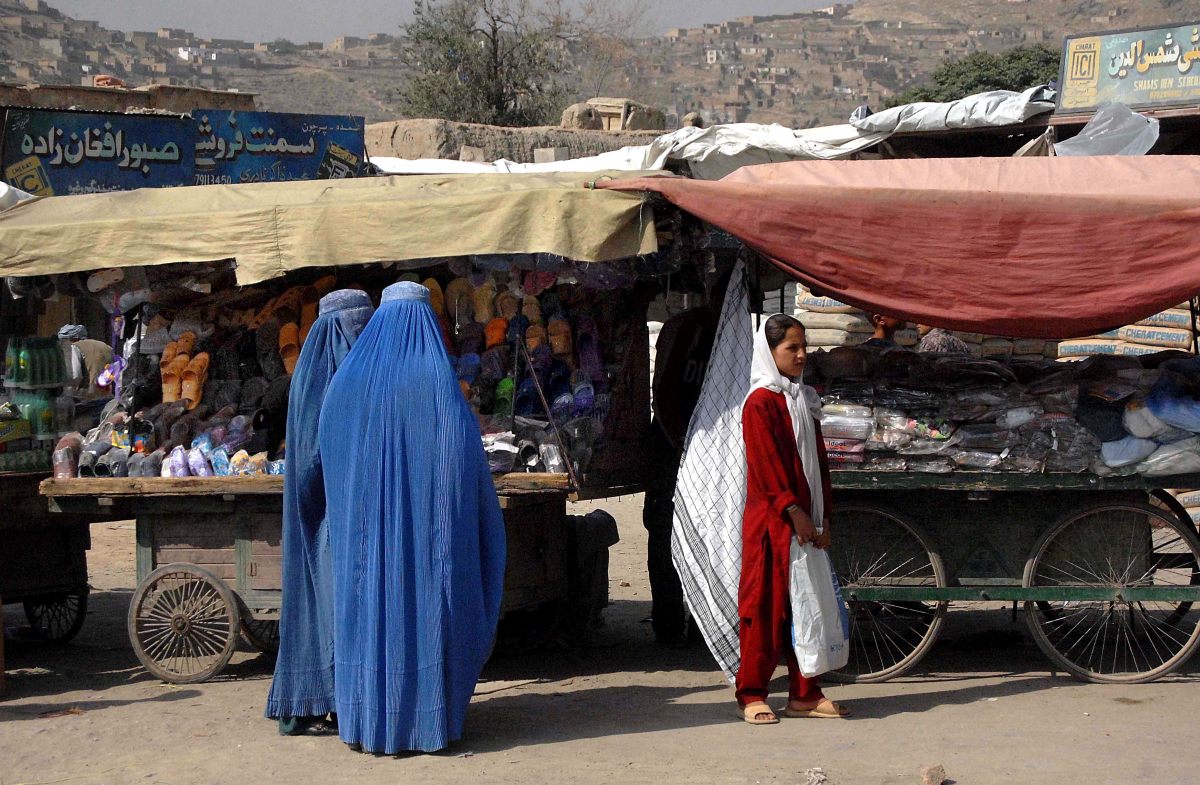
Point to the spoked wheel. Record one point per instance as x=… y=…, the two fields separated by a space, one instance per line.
x=262 y=634
x=183 y=623
x=58 y=618
x=876 y=550
x=1136 y=554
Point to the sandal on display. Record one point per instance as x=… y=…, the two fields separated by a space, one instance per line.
x=193 y=378
x=172 y=380
x=289 y=346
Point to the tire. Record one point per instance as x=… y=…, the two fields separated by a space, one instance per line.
x=58 y=618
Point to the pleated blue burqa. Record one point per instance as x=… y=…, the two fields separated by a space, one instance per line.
x=303 y=683
x=416 y=532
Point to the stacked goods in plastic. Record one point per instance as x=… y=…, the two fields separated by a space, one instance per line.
x=1169 y=329
x=1190 y=501
x=890 y=410
x=829 y=323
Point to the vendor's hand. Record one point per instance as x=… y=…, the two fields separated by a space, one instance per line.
x=825 y=538
x=803 y=526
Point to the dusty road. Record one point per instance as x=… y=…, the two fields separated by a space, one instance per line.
x=618 y=711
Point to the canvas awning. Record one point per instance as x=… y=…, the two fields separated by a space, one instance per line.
x=1024 y=247
x=271 y=228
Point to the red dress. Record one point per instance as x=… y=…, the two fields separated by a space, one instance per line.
x=774 y=481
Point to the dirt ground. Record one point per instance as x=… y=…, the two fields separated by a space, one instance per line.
x=620 y=710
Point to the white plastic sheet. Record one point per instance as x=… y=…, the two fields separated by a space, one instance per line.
x=996 y=107
x=1115 y=129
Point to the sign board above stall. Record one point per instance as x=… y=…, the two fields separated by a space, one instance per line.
x=50 y=153
x=56 y=153
x=253 y=147
x=1144 y=68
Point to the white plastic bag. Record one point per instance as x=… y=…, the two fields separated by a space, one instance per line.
x=820 y=622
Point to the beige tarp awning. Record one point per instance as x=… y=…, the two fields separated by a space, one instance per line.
x=271 y=228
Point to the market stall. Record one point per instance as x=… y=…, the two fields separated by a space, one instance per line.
x=551 y=351
x=965 y=478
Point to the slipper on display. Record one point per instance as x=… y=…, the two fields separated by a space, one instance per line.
x=258 y=463
x=517 y=327
x=527 y=403
x=465 y=387
x=528 y=456
x=186 y=342
x=198 y=464
x=507 y=305
x=496 y=332
x=531 y=309
x=494 y=363
x=551 y=306
x=535 y=336
x=152 y=466
x=536 y=282
x=172 y=378
x=220 y=462
x=176 y=464
x=102 y=279
x=460 y=303
x=471 y=339
x=559 y=334
x=135 y=463
x=483 y=296
x=325 y=284
x=289 y=346
x=591 y=361
x=267 y=349
x=585 y=398
x=483 y=394
x=562 y=407
x=468 y=368
x=193 y=378
x=437 y=298
x=168 y=354
x=287 y=307
x=114 y=463
x=505 y=391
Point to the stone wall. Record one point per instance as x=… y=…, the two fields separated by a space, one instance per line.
x=167 y=98
x=443 y=139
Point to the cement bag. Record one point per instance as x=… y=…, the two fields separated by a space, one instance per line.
x=1127 y=451
x=807 y=301
x=818 y=338
x=1190 y=499
x=1180 y=319
x=1166 y=337
x=1082 y=347
x=1051 y=349
x=1194 y=513
x=973 y=338
x=997 y=348
x=845 y=322
x=1178 y=458
x=820 y=622
x=1137 y=349
x=1028 y=346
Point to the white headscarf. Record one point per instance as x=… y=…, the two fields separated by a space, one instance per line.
x=803 y=406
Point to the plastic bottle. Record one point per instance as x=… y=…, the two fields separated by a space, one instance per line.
x=10 y=360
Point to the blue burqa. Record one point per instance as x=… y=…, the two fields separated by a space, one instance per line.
x=303 y=684
x=416 y=533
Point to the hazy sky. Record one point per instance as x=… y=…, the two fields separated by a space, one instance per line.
x=323 y=20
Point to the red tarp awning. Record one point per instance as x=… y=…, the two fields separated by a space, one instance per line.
x=1023 y=247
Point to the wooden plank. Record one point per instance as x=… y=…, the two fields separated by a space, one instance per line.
x=266 y=574
x=532 y=481
x=168 y=554
x=163 y=486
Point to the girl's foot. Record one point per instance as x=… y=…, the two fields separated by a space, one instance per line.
x=757 y=713
x=822 y=709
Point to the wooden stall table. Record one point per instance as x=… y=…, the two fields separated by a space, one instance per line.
x=209 y=558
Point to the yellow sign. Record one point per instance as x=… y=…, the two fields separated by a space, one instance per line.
x=1139 y=68
x=29 y=176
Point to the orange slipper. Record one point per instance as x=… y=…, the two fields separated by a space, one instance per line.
x=535 y=336
x=507 y=305
x=186 y=342
x=560 y=337
x=484 y=296
x=171 y=379
x=532 y=310
x=289 y=346
x=496 y=332
x=310 y=298
x=193 y=378
x=459 y=303
x=325 y=284
x=262 y=314
x=287 y=307
x=437 y=299
x=168 y=355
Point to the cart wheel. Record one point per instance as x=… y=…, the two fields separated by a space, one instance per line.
x=1116 y=546
x=262 y=634
x=183 y=623
x=58 y=618
x=876 y=549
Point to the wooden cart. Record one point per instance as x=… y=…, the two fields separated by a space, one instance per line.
x=209 y=560
x=1108 y=569
x=43 y=559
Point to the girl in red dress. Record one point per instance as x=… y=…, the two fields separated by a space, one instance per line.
x=787 y=496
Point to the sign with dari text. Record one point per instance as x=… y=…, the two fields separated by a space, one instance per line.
x=1143 y=68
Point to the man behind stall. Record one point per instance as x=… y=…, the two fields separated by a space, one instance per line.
x=885 y=331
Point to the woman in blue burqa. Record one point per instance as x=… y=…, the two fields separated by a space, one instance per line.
x=302 y=690
x=416 y=532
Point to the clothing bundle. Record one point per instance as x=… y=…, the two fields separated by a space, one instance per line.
x=896 y=410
